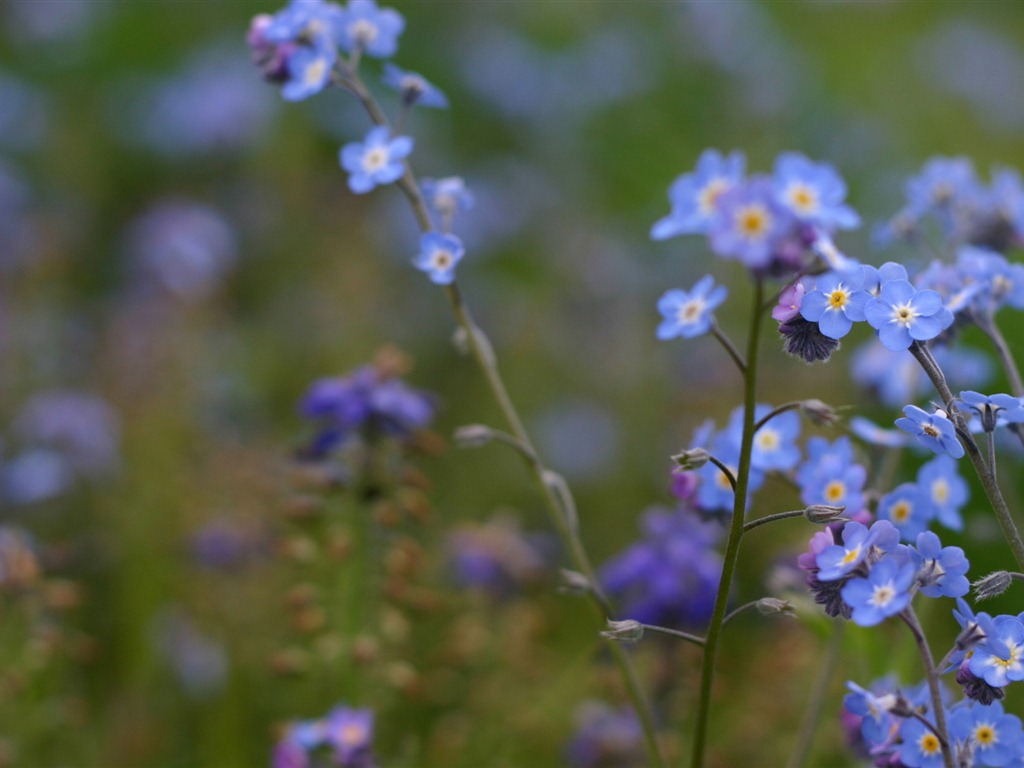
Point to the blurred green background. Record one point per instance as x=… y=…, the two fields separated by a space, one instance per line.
x=121 y=120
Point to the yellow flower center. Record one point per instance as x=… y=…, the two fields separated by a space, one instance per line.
x=767 y=439
x=835 y=491
x=940 y=491
x=753 y=221
x=985 y=735
x=901 y=511
x=929 y=744
x=803 y=198
x=707 y=198
x=837 y=299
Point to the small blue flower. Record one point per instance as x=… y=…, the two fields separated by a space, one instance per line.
x=446 y=197
x=831 y=476
x=875 y=710
x=350 y=732
x=774 y=445
x=883 y=593
x=438 y=256
x=715 y=491
x=933 y=430
x=365 y=27
x=906 y=508
x=993 y=281
x=997 y=738
x=835 y=304
x=312 y=22
x=940 y=570
x=309 y=72
x=901 y=314
x=414 y=88
x=872 y=433
x=376 y=160
x=694 y=196
x=999 y=658
x=748 y=223
x=992 y=408
x=814 y=192
x=921 y=748
x=688 y=313
x=940 y=482
x=860 y=543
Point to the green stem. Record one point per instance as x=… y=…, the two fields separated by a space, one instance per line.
x=772 y=518
x=728 y=346
x=985 y=473
x=816 y=704
x=941 y=731
x=555 y=495
x=695 y=639
x=732 y=546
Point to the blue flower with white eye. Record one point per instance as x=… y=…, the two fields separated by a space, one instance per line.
x=694 y=196
x=933 y=430
x=831 y=476
x=312 y=22
x=943 y=184
x=999 y=658
x=309 y=72
x=814 y=192
x=689 y=313
x=994 y=410
x=715 y=491
x=906 y=508
x=884 y=592
x=774 y=446
x=438 y=256
x=941 y=571
x=877 y=722
x=446 y=196
x=375 y=160
x=902 y=314
x=994 y=281
x=942 y=485
x=414 y=88
x=836 y=303
x=860 y=543
x=369 y=29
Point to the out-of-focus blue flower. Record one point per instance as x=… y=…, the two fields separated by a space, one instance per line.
x=835 y=304
x=310 y=22
x=997 y=738
x=199 y=662
x=670 y=577
x=814 y=192
x=184 y=246
x=606 y=737
x=367 y=399
x=774 y=446
x=920 y=747
x=941 y=483
x=715 y=491
x=875 y=709
x=901 y=314
x=371 y=30
x=748 y=223
x=438 y=256
x=994 y=281
x=497 y=557
x=224 y=544
x=345 y=734
x=999 y=658
x=940 y=570
x=883 y=593
x=375 y=160
x=872 y=433
x=414 y=88
x=446 y=197
x=694 y=196
x=933 y=430
x=896 y=377
x=309 y=72
x=831 y=476
x=944 y=183
x=689 y=313
x=908 y=509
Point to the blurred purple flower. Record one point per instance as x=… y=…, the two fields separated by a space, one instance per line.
x=606 y=738
x=496 y=557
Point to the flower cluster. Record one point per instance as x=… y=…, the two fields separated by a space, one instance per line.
x=344 y=733
x=769 y=223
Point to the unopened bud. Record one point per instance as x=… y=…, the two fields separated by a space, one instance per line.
x=992 y=585
x=773 y=606
x=824 y=514
x=628 y=631
x=692 y=458
x=901 y=706
x=822 y=414
x=573 y=583
x=473 y=436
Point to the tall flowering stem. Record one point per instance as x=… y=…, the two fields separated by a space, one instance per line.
x=932 y=674
x=732 y=546
x=985 y=472
x=552 y=488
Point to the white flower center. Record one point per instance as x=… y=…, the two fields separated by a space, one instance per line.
x=375 y=158
x=883 y=594
x=940 y=491
x=314 y=74
x=707 y=198
x=691 y=311
x=363 y=31
x=802 y=197
x=904 y=314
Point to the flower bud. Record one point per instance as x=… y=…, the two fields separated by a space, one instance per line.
x=628 y=631
x=473 y=436
x=772 y=606
x=692 y=458
x=822 y=414
x=824 y=514
x=992 y=585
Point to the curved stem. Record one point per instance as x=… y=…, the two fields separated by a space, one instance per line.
x=816 y=704
x=985 y=473
x=725 y=471
x=729 y=347
x=737 y=611
x=695 y=639
x=732 y=547
x=941 y=731
x=790 y=406
x=772 y=518
x=555 y=496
